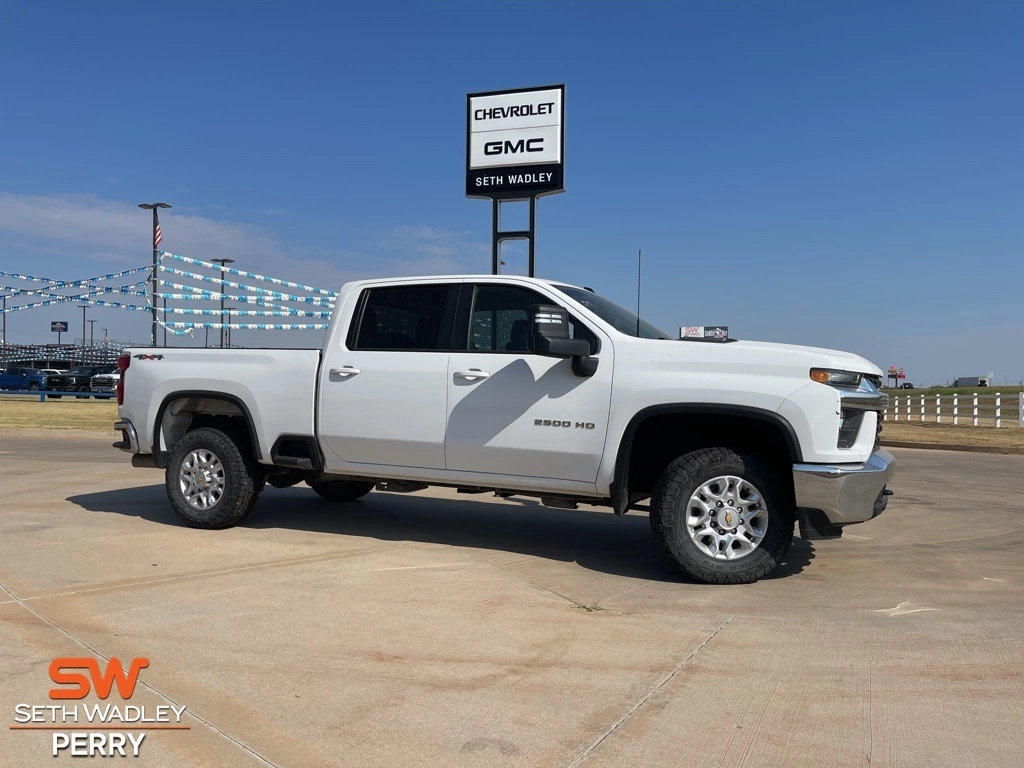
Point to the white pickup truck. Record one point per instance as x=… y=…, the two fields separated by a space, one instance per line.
x=526 y=387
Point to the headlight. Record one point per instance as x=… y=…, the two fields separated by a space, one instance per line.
x=836 y=378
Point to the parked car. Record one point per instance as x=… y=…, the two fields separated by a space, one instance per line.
x=906 y=385
x=104 y=382
x=24 y=378
x=77 y=379
x=526 y=387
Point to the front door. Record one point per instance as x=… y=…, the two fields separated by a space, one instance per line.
x=383 y=389
x=513 y=413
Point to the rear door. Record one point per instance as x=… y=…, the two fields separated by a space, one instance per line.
x=514 y=413
x=384 y=386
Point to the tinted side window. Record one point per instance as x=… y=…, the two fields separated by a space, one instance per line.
x=402 y=318
x=499 y=321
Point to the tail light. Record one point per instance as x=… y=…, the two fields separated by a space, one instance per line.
x=122 y=367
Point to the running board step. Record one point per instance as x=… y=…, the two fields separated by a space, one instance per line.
x=400 y=486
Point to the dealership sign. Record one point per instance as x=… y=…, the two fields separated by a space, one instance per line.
x=515 y=143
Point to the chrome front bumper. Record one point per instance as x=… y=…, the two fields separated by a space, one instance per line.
x=845 y=493
x=130 y=443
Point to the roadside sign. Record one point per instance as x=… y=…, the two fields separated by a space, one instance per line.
x=58 y=326
x=514 y=143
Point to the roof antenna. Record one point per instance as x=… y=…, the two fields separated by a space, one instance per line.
x=639 y=255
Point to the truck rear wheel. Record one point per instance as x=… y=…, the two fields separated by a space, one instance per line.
x=341 y=490
x=209 y=482
x=719 y=516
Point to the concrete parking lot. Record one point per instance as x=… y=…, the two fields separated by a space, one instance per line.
x=437 y=629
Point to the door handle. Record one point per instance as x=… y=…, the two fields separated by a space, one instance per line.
x=347 y=370
x=473 y=374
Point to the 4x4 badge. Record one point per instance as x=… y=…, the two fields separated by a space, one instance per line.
x=149 y=357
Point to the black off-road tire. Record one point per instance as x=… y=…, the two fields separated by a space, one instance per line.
x=669 y=503
x=341 y=490
x=33 y=387
x=239 y=494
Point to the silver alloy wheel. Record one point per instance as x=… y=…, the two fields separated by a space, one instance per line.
x=201 y=479
x=727 y=517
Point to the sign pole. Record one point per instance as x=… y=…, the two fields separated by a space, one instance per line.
x=495 y=240
x=532 y=263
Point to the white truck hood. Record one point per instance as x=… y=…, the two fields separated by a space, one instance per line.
x=751 y=357
x=818 y=357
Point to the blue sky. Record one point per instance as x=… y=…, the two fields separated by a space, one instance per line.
x=838 y=174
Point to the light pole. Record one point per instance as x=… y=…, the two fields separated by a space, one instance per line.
x=223 y=330
x=83 y=307
x=157 y=237
x=104 y=345
x=229 y=310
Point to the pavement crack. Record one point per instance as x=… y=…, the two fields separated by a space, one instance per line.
x=399 y=522
x=636 y=707
x=248 y=750
x=132 y=584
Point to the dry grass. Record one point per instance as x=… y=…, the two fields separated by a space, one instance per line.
x=946 y=434
x=67 y=413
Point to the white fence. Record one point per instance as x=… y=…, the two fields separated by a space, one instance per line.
x=972 y=410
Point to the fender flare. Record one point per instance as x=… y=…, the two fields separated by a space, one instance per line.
x=619 y=489
x=185 y=394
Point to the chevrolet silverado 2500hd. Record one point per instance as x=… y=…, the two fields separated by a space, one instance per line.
x=523 y=386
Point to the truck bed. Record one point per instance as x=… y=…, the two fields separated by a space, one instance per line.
x=276 y=386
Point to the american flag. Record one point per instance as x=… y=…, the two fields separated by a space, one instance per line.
x=157 y=234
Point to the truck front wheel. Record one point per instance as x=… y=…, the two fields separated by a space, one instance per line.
x=341 y=490
x=209 y=482
x=719 y=516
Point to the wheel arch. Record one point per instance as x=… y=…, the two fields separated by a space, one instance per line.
x=241 y=410
x=700 y=415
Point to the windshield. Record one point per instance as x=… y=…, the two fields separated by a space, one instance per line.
x=80 y=371
x=619 y=318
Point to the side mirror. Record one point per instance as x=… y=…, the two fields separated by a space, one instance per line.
x=549 y=336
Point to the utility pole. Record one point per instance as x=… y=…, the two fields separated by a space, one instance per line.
x=230 y=310
x=83 y=307
x=92 y=346
x=157 y=237
x=5 y=330
x=223 y=330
